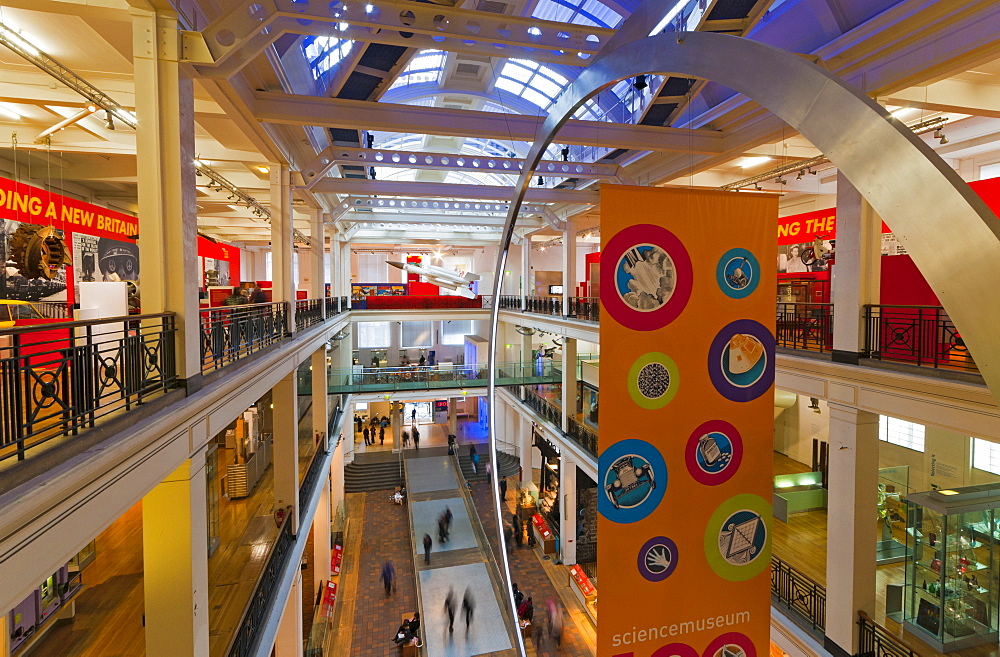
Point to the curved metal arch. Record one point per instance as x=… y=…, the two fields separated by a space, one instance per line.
x=937 y=217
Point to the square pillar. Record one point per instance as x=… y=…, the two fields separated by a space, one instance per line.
x=569 y=266
x=5 y=635
x=524 y=447
x=175 y=554
x=168 y=221
x=527 y=289
x=322 y=545
x=317 y=274
x=288 y=641
x=567 y=509
x=320 y=396
x=857 y=271
x=851 y=524
x=453 y=415
x=282 y=242
x=285 y=438
x=569 y=379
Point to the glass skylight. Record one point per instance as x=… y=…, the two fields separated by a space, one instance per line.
x=534 y=82
x=425 y=67
x=580 y=12
x=324 y=53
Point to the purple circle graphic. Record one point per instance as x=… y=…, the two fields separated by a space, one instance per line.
x=741 y=360
x=675 y=650
x=657 y=558
x=636 y=242
x=738 y=644
x=714 y=452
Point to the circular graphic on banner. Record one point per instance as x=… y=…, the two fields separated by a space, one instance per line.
x=714 y=452
x=653 y=380
x=737 y=273
x=741 y=360
x=731 y=644
x=737 y=540
x=649 y=282
x=675 y=650
x=634 y=478
x=657 y=558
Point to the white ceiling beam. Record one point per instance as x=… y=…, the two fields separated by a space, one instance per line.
x=447 y=190
x=951 y=96
x=236 y=38
x=443 y=219
x=375 y=202
x=358 y=114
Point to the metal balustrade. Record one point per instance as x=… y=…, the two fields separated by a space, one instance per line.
x=415 y=377
x=916 y=335
x=798 y=593
x=308 y=312
x=229 y=333
x=57 y=379
x=876 y=641
x=335 y=306
x=585 y=308
x=807 y=326
x=578 y=433
x=545 y=305
x=510 y=302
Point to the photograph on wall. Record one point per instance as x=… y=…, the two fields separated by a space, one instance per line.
x=802 y=258
x=14 y=284
x=84 y=260
x=117 y=261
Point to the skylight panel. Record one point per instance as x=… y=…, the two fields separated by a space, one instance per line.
x=536 y=98
x=425 y=67
x=579 y=12
x=510 y=85
x=547 y=87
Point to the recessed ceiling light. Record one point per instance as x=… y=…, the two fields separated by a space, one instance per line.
x=948 y=492
x=9 y=112
x=263 y=169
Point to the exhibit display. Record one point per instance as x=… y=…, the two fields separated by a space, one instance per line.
x=949 y=599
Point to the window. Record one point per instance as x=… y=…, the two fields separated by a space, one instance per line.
x=324 y=53
x=426 y=66
x=373 y=335
x=900 y=432
x=986 y=455
x=534 y=82
x=988 y=171
x=372 y=268
x=580 y=12
x=455 y=330
x=416 y=334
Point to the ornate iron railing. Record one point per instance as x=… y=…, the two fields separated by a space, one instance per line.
x=798 y=593
x=230 y=333
x=876 y=641
x=308 y=312
x=545 y=305
x=335 y=305
x=588 y=308
x=807 y=326
x=256 y=611
x=510 y=302
x=918 y=335
x=578 y=433
x=487 y=300
x=582 y=435
x=315 y=467
x=59 y=378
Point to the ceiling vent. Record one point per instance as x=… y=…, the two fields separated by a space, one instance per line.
x=493 y=6
x=467 y=70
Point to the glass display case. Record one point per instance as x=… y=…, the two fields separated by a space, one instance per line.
x=950 y=582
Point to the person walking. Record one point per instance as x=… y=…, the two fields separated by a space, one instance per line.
x=365 y=434
x=416 y=438
x=381 y=435
x=428 y=542
x=413 y=416
x=388 y=575
x=406 y=439
x=357 y=421
x=468 y=609
x=448 y=517
x=503 y=489
x=449 y=608
x=474 y=457
x=442 y=530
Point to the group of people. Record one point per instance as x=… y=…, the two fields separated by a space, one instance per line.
x=514 y=531
x=408 y=631
x=552 y=627
x=444 y=525
x=468 y=609
x=416 y=438
x=374 y=425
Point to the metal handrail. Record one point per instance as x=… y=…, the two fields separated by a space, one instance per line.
x=923 y=336
x=798 y=593
x=308 y=312
x=876 y=641
x=59 y=378
x=806 y=326
x=231 y=333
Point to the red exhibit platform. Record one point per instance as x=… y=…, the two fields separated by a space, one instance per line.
x=411 y=302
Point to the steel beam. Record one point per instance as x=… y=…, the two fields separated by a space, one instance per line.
x=288 y=109
x=395 y=219
x=375 y=157
x=403 y=203
x=447 y=190
x=237 y=37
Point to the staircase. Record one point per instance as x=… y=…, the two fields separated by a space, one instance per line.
x=370 y=474
x=507 y=464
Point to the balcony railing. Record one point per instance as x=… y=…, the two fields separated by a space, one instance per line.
x=335 y=305
x=917 y=335
x=807 y=326
x=308 y=312
x=510 y=302
x=876 y=641
x=585 y=436
x=578 y=433
x=545 y=305
x=798 y=593
x=586 y=308
x=388 y=379
x=56 y=379
x=230 y=333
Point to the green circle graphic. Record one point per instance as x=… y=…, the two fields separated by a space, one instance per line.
x=653 y=380
x=713 y=532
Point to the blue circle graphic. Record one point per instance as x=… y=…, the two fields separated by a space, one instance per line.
x=633 y=479
x=737 y=273
x=714 y=460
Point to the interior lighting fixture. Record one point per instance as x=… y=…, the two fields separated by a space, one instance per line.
x=541 y=181
x=948 y=492
x=565 y=154
x=21 y=40
x=799 y=177
x=939 y=135
x=781 y=181
x=814 y=405
x=754 y=160
x=640 y=82
x=110 y=121
x=264 y=170
x=757 y=187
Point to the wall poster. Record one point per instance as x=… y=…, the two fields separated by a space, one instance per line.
x=684 y=490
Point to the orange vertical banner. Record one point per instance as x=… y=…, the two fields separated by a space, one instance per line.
x=687 y=381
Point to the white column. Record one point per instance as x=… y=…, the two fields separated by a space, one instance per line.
x=286 y=446
x=282 y=244
x=524 y=447
x=288 y=641
x=175 y=558
x=857 y=270
x=5 y=635
x=526 y=283
x=317 y=234
x=569 y=379
x=168 y=222
x=567 y=509
x=453 y=416
x=320 y=395
x=337 y=466
x=396 y=419
x=853 y=483
x=569 y=266
x=334 y=257
x=322 y=545
x=345 y=263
